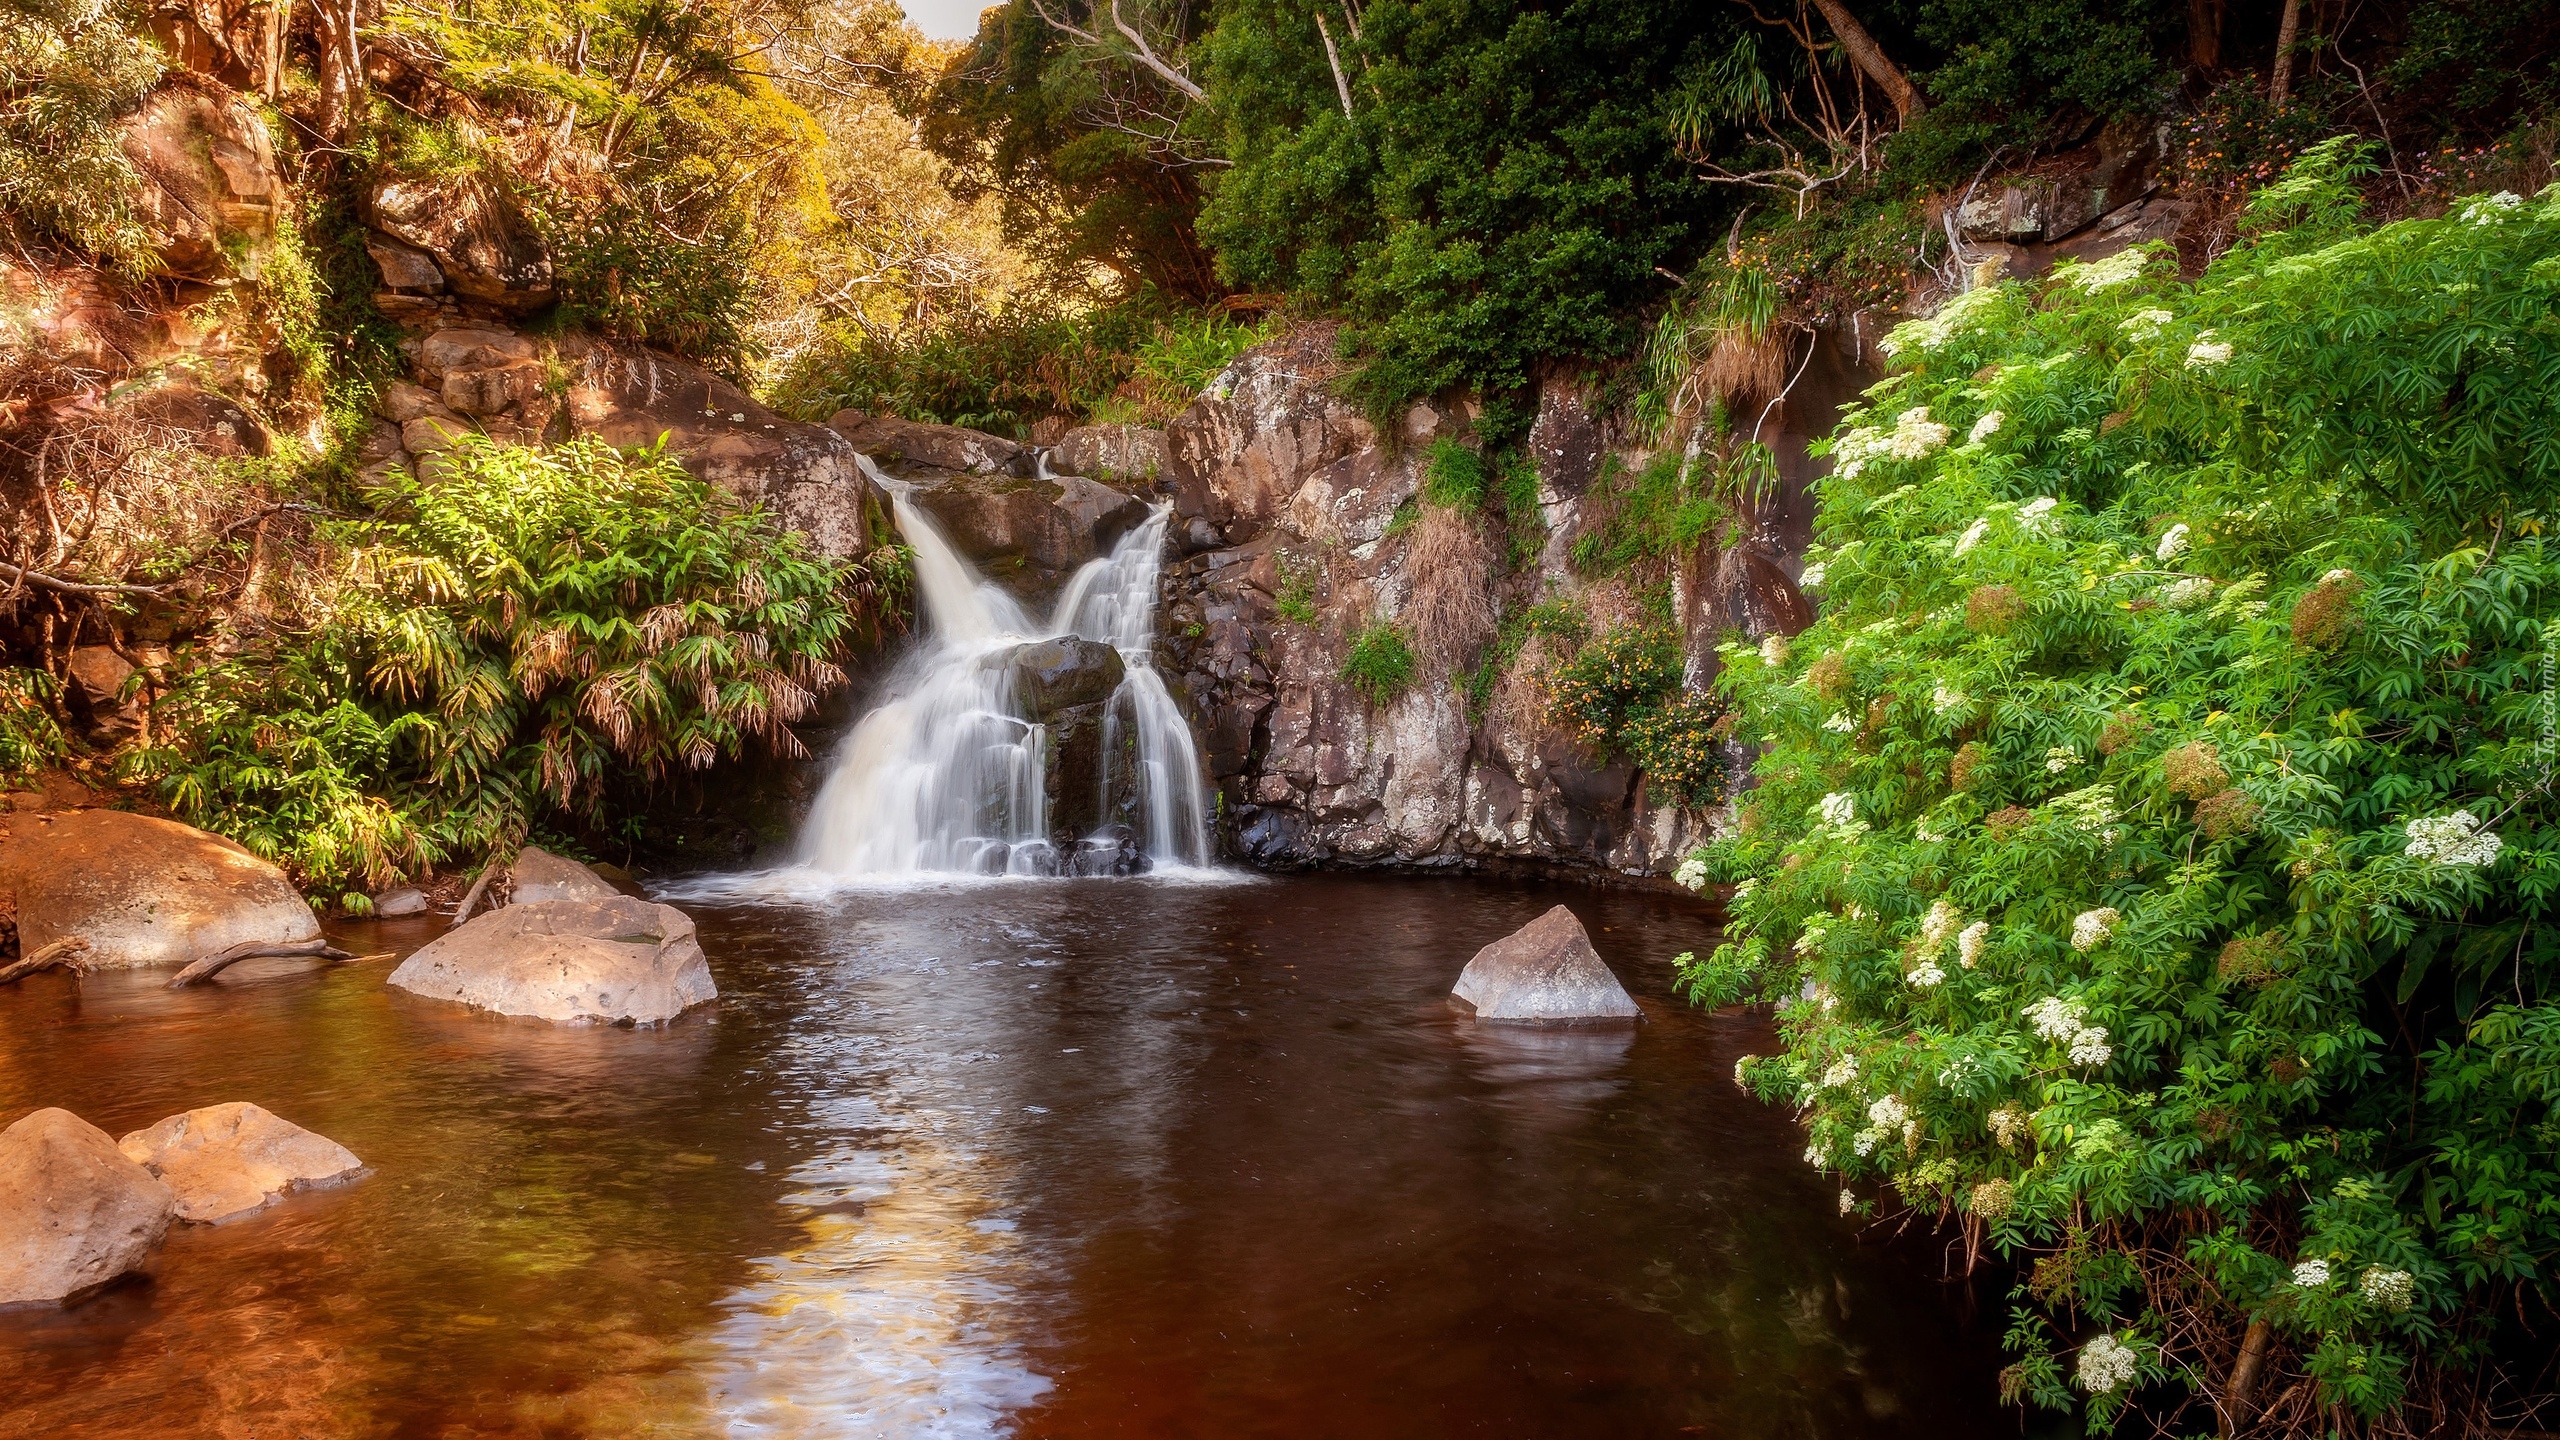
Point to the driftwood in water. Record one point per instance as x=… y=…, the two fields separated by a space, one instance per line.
x=212 y=965
x=471 y=897
x=57 y=953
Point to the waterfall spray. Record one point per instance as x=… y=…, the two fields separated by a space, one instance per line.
x=950 y=772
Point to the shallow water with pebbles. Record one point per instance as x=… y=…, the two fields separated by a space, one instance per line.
x=1204 y=1156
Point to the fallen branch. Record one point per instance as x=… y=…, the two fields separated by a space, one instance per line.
x=471 y=897
x=57 y=953
x=18 y=575
x=212 y=965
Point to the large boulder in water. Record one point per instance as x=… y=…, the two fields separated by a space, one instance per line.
x=1544 y=971
x=226 y=1161
x=1054 y=675
x=538 y=875
x=74 y=1212
x=614 y=961
x=144 y=891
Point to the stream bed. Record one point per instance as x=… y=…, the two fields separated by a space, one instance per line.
x=1179 y=1157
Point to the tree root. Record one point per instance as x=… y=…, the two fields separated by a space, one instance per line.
x=212 y=965
x=57 y=953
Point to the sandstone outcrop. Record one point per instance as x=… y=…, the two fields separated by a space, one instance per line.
x=226 y=1161
x=569 y=962
x=1544 y=972
x=1109 y=452
x=537 y=875
x=465 y=232
x=145 y=891
x=210 y=187
x=74 y=1212
x=891 y=441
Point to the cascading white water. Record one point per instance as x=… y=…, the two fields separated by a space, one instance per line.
x=948 y=774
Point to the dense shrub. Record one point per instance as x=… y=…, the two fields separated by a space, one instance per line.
x=1621 y=693
x=2184 y=935
x=70 y=71
x=30 y=738
x=526 y=637
x=1137 y=361
x=1380 y=664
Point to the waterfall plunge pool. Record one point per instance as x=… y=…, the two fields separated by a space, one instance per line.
x=1079 y=1158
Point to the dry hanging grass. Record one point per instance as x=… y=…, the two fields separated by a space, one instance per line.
x=1452 y=566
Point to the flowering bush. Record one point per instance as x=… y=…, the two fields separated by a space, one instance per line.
x=2193 y=953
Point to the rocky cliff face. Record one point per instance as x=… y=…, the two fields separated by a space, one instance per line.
x=1283 y=489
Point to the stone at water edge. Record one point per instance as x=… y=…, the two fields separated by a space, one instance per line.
x=74 y=1212
x=1545 y=970
x=226 y=1161
x=538 y=875
x=611 y=961
x=144 y=891
x=407 y=900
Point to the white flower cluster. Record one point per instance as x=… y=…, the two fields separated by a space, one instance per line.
x=2311 y=1274
x=1840 y=723
x=1814 y=1156
x=1692 y=874
x=1948 y=702
x=1744 y=891
x=1848 y=1202
x=1811 y=939
x=2107 y=1365
x=2031 y=516
x=2143 y=324
x=1937 y=926
x=2089 y=810
x=2490 y=209
x=1886 y=1118
x=2454 y=839
x=1969 y=944
x=1839 y=808
x=1914 y=436
x=1843 y=1071
x=2093 y=928
x=1940 y=328
x=2173 y=544
x=1927 y=977
x=1812 y=577
x=2208 y=352
x=1972 y=535
x=1986 y=427
x=2112 y=271
x=2055 y=1018
x=2061 y=758
x=2186 y=594
x=1773 y=650
x=2390 y=1289
x=1742 y=1074
x=2008 y=1126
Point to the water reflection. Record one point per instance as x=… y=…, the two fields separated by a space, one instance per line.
x=1100 y=1158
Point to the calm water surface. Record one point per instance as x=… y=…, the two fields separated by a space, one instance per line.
x=1098 y=1158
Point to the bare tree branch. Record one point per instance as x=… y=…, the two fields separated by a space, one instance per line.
x=1333 y=57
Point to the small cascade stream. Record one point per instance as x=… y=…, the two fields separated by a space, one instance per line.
x=950 y=773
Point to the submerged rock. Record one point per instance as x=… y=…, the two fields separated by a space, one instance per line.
x=226 y=1161
x=1544 y=971
x=1111 y=850
x=614 y=960
x=407 y=900
x=538 y=875
x=144 y=891
x=74 y=1212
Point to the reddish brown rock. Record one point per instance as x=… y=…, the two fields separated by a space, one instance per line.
x=74 y=1212
x=144 y=891
x=226 y=1161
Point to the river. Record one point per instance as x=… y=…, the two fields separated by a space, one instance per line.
x=1049 y=1158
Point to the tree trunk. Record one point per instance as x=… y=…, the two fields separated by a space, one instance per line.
x=2244 y=1378
x=2287 y=31
x=341 y=68
x=2204 y=34
x=1870 y=58
x=1333 y=57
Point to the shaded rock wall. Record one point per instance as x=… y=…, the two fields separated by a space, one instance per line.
x=1281 y=488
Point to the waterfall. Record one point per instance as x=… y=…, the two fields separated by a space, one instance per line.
x=951 y=774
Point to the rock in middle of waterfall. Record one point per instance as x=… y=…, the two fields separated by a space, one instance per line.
x=613 y=961
x=1544 y=971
